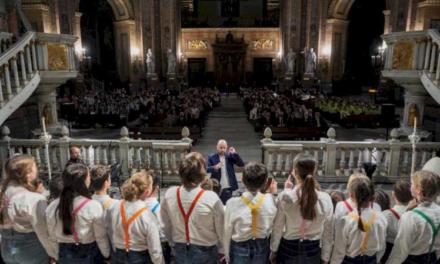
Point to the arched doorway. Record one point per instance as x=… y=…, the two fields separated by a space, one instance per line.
x=122 y=22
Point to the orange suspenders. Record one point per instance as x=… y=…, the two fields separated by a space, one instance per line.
x=126 y=224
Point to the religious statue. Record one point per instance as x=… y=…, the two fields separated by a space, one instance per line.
x=150 y=62
x=413 y=113
x=290 y=61
x=171 y=63
x=310 y=62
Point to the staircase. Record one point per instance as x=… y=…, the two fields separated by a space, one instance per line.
x=34 y=59
x=413 y=59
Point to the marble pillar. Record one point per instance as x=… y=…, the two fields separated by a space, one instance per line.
x=125 y=43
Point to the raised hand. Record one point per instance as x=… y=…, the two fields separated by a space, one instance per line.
x=232 y=150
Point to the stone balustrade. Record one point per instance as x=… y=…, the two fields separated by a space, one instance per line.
x=160 y=156
x=337 y=160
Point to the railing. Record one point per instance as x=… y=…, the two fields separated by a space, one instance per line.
x=160 y=156
x=337 y=160
x=415 y=54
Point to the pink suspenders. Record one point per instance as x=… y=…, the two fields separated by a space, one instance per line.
x=74 y=214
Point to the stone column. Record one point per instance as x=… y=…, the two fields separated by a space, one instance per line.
x=433 y=56
x=387 y=26
x=427 y=55
x=125 y=41
x=77 y=33
x=336 y=37
x=46 y=98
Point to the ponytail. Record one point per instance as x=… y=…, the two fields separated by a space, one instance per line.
x=308 y=198
x=362 y=190
x=74 y=177
x=305 y=168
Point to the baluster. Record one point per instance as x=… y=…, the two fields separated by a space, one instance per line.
x=406 y=161
x=37 y=156
x=147 y=158
x=157 y=165
x=15 y=75
x=378 y=170
x=173 y=162
x=433 y=154
x=316 y=156
x=97 y=155
x=8 y=82
x=28 y=151
x=138 y=157
x=433 y=55
x=269 y=161
x=104 y=155
x=437 y=74
x=34 y=57
x=28 y=60
x=23 y=68
x=2 y=99
x=351 y=162
x=54 y=163
x=387 y=161
x=360 y=161
x=424 y=158
x=113 y=155
x=279 y=163
x=20 y=150
x=288 y=163
x=342 y=163
x=427 y=55
x=307 y=152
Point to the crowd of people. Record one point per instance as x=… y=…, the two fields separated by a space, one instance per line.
x=292 y=109
x=346 y=107
x=149 y=107
x=81 y=223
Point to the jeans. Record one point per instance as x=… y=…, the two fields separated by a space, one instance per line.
x=299 y=252
x=364 y=259
x=252 y=251
x=22 y=248
x=121 y=256
x=192 y=254
x=428 y=258
x=387 y=253
x=79 y=254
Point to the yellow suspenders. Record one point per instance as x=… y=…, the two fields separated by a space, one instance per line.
x=254 y=211
x=106 y=204
x=367 y=225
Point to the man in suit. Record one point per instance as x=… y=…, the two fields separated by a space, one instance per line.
x=221 y=167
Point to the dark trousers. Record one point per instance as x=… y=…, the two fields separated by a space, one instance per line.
x=364 y=259
x=21 y=248
x=387 y=253
x=121 y=256
x=193 y=254
x=253 y=251
x=225 y=194
x=428 y=258
x=300 y=252
x=79 y=254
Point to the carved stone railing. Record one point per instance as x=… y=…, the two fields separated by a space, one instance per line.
x=414 y=57
x=35 y=57
x=337 y=160
x=160 y=156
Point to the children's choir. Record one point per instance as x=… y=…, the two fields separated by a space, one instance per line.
x=80 y=223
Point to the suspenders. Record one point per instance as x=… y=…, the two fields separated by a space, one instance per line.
x=188 y=214
x=435 y=230
x=126 y=223
x=254 y=211
x=74 y=214
x=367 y=225
x=349 y=207
x=155 y=207
x=395 y=213
x=106 y=204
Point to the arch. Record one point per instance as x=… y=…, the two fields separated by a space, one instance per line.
x=340 y=9
x=122 y=9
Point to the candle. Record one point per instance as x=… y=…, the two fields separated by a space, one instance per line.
x=415 y=125
x=43 y=124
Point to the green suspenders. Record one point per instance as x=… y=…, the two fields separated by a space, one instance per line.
x=435 y=230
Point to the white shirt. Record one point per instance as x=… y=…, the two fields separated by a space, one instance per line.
x=342 y=210
x=105 y=200
x=415 y=234
x=205 y=223
x=288 y=220
x=151 y=203
x=348 y=237
x=393 y=222
x=26 y=213
x=238 y=219
x=224 y=180
x=89 y=224
x=143 y=231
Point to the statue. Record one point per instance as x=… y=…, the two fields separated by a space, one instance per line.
x=171 y=63
x=413 y=113
x=310 y=62
x=150 y=62
x=290 y=62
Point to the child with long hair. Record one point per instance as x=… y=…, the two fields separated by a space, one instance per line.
x=249 y=218
x=76 y=222
x=304 y=219
x=402 y=196
x=418 y=239
x=24 y=234
x=360 y=235
x=135 y=231
x=193 y=217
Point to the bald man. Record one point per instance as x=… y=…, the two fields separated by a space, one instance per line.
x=75 y=156
x=221 y=167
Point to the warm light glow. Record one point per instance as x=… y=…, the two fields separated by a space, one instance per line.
x=327 y=51
x=382 y=48
x=280 y=54
x=135 y=51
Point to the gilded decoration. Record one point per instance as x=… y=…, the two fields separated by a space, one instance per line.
x=403 y=55
x=263 y=44
x=57 y=57
x=197 y=44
